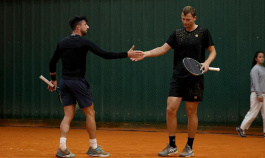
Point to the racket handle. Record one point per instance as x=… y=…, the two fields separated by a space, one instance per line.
x=46 y=81
x=214 y=68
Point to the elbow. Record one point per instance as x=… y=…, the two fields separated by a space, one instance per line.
x=163 y=51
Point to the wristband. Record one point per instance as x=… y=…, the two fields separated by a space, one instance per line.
x=53 y=77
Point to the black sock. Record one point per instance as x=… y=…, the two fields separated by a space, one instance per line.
x=172 y=141
x=190 y=142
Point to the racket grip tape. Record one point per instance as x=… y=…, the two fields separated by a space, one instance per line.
x=46 y=81
x=214 y=68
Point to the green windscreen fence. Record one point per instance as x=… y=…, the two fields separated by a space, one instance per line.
x=126 y=91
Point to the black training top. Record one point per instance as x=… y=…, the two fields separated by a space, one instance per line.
x=188 y=44
x=73 y=50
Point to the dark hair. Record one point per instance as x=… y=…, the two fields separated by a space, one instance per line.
x=74 y=21
x=189 y=9
x=254 y=62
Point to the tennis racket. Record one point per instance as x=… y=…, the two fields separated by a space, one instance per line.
x=57 y=91
x=194 y=66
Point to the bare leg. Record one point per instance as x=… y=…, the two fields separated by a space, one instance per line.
x=90 y=121
x=191 y=110
x=173 y=104
x=94 y=149
x=69 y=112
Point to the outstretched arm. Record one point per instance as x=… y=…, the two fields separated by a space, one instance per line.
x=154 y=52
x=111 y=55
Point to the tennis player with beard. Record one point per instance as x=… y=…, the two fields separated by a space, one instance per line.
x=72 y=50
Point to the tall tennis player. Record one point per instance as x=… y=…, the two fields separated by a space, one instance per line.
x=188 y=41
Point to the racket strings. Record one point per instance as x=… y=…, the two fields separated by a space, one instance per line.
x=192 y=66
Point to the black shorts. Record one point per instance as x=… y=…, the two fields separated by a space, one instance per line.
x=75 y=89
x=189 y=89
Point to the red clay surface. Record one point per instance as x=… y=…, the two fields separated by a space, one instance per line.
x=43 y=142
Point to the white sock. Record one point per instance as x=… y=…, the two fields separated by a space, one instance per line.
x=93 y=143
x=63 y=143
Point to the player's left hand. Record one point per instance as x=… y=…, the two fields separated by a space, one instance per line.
x=205 y=67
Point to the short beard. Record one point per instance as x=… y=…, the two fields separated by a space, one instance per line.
x=83 y=33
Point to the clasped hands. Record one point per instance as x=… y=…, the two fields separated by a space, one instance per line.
x=135 y=55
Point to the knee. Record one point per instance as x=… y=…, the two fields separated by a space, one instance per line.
x=171 y=111
x=191 y=112
x=91 y=113
x=68 y=118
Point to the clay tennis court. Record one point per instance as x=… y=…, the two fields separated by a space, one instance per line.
x=120 y=143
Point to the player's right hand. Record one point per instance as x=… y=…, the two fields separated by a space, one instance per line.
x=51 y=89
